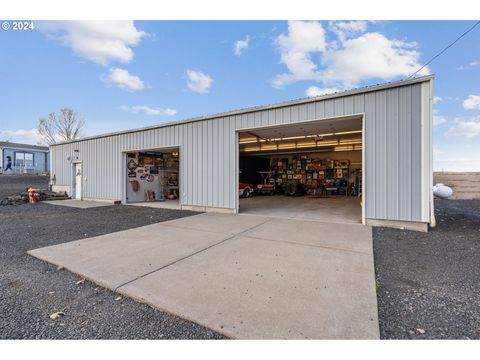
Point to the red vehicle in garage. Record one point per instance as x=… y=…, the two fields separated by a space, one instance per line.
x=245 y=190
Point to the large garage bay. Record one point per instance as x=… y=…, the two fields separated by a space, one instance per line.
x=310 y=170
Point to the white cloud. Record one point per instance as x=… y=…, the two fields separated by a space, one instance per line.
x=313 y=91
x=124 y=80
x=310 y=55
x=472 y=102
x=28 y=136
x=470 y=65
x=437 y=118
x=345 y=29
x=467 y=128
x=437 y=99
x=241 y=45
x=198 y=81
x=304 y=38
x=370 y=55
x=147 y=110
x=99 y=41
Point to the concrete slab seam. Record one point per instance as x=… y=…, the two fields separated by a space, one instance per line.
x=190 y=255
x=308 y=245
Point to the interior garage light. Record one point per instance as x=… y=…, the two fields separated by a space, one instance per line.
x=348 y=132
x=327 y=143
x=350 y=141
x=252 y=140
x=349 y=145
x=269 y=147
x=287 y=146
x=252 y=148
x=343 y=148
x=306 y=144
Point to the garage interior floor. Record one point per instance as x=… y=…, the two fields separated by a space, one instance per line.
x=167 y=204
x=244 y=276
x=336 y=209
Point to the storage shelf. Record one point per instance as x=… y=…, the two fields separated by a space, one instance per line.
x=171 y=171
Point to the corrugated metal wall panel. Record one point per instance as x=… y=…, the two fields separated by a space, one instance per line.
x=416 y=168
x=208 y=152
x=348 y=105
x=370 y=148
x=392 y=153
x=405 y=148
x=380 y=155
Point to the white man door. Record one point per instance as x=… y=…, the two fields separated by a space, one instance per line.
x=78 y=181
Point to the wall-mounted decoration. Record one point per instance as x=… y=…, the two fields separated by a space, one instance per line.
x=147 y=177
x=132 y=165
x=172 y=180
x=132 y=174
x=135 y=185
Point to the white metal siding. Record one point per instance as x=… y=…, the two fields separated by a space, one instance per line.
x=393 y=147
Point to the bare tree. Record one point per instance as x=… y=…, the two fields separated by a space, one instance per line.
x=62 y=127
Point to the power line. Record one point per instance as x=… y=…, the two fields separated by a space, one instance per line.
x=446 y=48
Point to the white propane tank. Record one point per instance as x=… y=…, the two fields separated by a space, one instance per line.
x=442 y=191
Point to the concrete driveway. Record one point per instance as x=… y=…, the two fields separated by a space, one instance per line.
x=244 y=276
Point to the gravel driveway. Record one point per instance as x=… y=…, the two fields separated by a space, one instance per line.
x=431 y=281
x=31 y=290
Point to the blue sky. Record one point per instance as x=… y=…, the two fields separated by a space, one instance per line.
x=122 y=75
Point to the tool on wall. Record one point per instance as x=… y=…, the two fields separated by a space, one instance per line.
x=135 y=185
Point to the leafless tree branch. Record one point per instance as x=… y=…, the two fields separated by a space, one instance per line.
x=67 y=125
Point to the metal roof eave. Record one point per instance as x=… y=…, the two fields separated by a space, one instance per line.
x=355 y=91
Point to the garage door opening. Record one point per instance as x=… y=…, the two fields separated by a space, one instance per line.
x=153 y=178
x=310 y=170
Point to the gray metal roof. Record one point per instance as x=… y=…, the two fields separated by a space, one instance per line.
x=365 y=89
x=11 y=145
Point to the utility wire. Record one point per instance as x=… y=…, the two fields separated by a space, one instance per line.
x=446 y=48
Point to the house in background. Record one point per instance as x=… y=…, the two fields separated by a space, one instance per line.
x=23 y=158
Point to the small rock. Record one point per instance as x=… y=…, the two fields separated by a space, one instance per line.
x=56 y=315
x=421 y=331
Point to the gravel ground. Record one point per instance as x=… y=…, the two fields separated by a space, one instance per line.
x=428 y=282
x=431 y=281
x=14 y=184
x=31 y=290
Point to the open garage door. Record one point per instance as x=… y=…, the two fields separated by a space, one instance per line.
x=153 y=178
x=309 y=170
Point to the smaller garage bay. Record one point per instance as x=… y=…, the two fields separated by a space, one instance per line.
x=153 y=178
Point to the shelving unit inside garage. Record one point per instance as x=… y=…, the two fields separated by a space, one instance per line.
x=152 y=176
